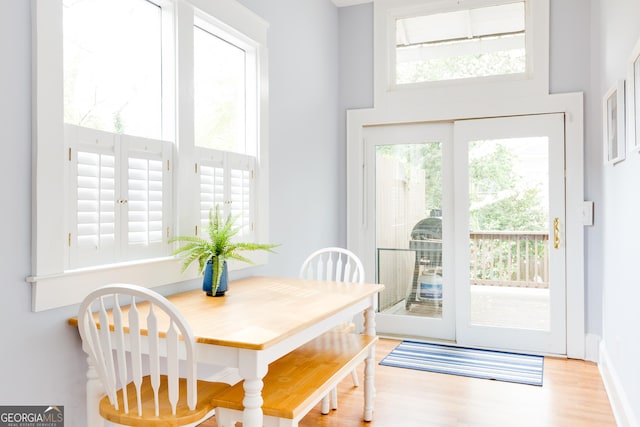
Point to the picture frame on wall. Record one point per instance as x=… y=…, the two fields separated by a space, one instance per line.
x=633 y=100
x=613 y=106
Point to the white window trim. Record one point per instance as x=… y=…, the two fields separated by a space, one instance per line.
x=52 y=285
x=534 y=82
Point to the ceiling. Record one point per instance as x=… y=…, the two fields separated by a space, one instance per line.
x=342 y=3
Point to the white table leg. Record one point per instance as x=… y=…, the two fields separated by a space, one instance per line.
x=369 y=322
x=252 y=370
x=369 y=365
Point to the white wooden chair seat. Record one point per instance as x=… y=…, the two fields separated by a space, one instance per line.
x=184 y=416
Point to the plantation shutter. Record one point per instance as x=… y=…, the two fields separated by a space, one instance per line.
x=119 y=198
x=212 y=183
x=241 y=171
x=92 y=237
x=147 y=200
x=227 y=179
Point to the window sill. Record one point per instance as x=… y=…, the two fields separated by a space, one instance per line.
x=70 y=287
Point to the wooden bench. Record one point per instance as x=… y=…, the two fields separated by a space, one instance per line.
x=296 y=382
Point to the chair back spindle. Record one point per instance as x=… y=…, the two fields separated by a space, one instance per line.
x=136 y=350
x=336 y=264
x=132 y=326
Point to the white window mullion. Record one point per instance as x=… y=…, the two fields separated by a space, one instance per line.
x=187 y=202
x=49 y=213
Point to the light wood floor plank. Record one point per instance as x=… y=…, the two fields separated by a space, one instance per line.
x=572 y=395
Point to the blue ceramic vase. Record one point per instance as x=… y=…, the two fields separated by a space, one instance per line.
x=213 y=271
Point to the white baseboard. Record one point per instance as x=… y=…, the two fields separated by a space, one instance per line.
x=592 y=348
x=622 y=409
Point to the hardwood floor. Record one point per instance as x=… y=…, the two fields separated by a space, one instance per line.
x=572 y=395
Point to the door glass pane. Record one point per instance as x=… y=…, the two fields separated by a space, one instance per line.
x=509 y=239
x=409 y=228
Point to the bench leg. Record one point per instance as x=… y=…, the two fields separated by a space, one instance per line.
x=285 y=422
x=354 y=376
x=325 y=405
x=225 y=418
x=334 y=398
x=369 y=385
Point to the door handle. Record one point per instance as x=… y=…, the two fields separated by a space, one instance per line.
x=556 y=233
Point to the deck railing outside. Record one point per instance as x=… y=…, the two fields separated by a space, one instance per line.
x=509 y=258
x=497 y=258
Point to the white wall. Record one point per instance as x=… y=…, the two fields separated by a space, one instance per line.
x=617 y=27
x=356 y=79
x=306 y=177
x=42 y=361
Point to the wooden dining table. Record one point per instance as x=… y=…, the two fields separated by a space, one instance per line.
x=259 y=320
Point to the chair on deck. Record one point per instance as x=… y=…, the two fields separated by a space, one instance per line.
x=140 y=317
x=340 y=265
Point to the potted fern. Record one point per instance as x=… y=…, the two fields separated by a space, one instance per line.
x=213 y=252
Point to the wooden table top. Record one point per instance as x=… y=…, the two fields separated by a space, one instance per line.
x=257 y=312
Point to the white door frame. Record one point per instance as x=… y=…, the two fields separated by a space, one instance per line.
x=423 y=110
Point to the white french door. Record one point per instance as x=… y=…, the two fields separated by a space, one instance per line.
x=411 y=182
x=510 y=275
x=467 y=220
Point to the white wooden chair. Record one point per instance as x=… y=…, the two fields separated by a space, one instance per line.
x=140 y=317
x=340 y=265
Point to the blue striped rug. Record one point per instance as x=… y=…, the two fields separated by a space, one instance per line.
x=469 y=362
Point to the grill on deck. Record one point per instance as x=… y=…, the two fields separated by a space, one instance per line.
x=426 y=240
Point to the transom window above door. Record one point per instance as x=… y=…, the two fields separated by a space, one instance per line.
x=462 y=43
x=460 y=47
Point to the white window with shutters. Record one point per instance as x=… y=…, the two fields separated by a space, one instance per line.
x=117 y=131
x=119 y=197
x=225 y=114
